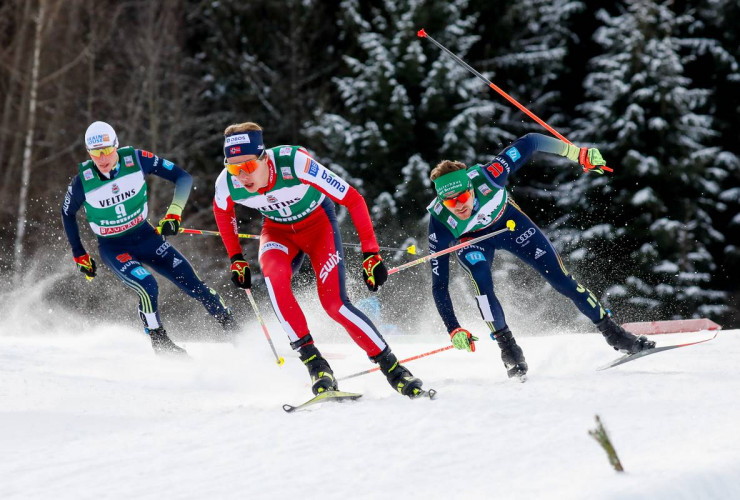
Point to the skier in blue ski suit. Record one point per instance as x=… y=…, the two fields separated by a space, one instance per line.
x=111 y=187
x=472 y=202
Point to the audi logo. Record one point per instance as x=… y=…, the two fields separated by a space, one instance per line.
x=525 y=235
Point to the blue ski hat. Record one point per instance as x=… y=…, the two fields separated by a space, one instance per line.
x=243 y=143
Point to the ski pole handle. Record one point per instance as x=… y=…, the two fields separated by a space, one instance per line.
x=278 y=359
x=510 y=226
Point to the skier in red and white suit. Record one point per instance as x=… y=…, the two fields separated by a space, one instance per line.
x=294 y=193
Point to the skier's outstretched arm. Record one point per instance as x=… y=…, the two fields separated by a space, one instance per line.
x=520 y=151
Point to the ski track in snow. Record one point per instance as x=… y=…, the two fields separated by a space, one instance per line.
x=96 y=415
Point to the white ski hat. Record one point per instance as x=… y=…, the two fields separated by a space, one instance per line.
x=100 y=135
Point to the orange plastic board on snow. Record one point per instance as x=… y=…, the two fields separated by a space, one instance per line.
x=672 y=326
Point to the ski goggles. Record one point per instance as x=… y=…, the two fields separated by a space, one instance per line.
x=97 y=153
x=461 y=198
x=248 y=167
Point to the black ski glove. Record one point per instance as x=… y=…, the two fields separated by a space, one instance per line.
x=241 y=276
x=374 y=271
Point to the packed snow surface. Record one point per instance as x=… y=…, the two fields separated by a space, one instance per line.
x=92 y=414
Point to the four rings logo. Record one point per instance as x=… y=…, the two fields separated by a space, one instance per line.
x=525 y=235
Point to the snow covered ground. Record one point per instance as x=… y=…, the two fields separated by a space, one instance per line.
x=94 y=414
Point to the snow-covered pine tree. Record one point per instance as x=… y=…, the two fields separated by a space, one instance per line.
x=397 y=97
x=716 y=64
x=259 y=61
x=647 y=227
x=536 y=62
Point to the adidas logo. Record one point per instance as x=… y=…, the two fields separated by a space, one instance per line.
x=433 y=237
x=539 y=253
x=176 y=262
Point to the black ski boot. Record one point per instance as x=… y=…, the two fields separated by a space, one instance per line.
x=622 y=340
x=227 y=321
x=511 y=354
x=322 y=377
x=162 y=344
x=398 y=376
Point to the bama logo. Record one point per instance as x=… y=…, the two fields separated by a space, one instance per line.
x=333 y=182
x=525 y=235
x=329 y=265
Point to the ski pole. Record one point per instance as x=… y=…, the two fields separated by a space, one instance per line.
x=185 y=230
x=411 y=249
x=423 y=34
x=402 y=361
x=510 y=226
x=278 y=359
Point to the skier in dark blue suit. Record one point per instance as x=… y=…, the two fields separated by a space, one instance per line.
x=472 y=202
x=112 y=188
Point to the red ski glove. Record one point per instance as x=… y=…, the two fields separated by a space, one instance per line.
x=241 y=276
x=86 y=265
x=374 y=271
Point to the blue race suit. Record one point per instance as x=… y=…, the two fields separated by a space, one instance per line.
x=126 y=254
x=527 y=242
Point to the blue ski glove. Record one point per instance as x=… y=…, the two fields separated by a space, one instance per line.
x=463 y=339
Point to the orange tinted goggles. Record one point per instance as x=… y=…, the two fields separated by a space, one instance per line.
x=462 y=198
x=248 y=166
x=97 y=153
